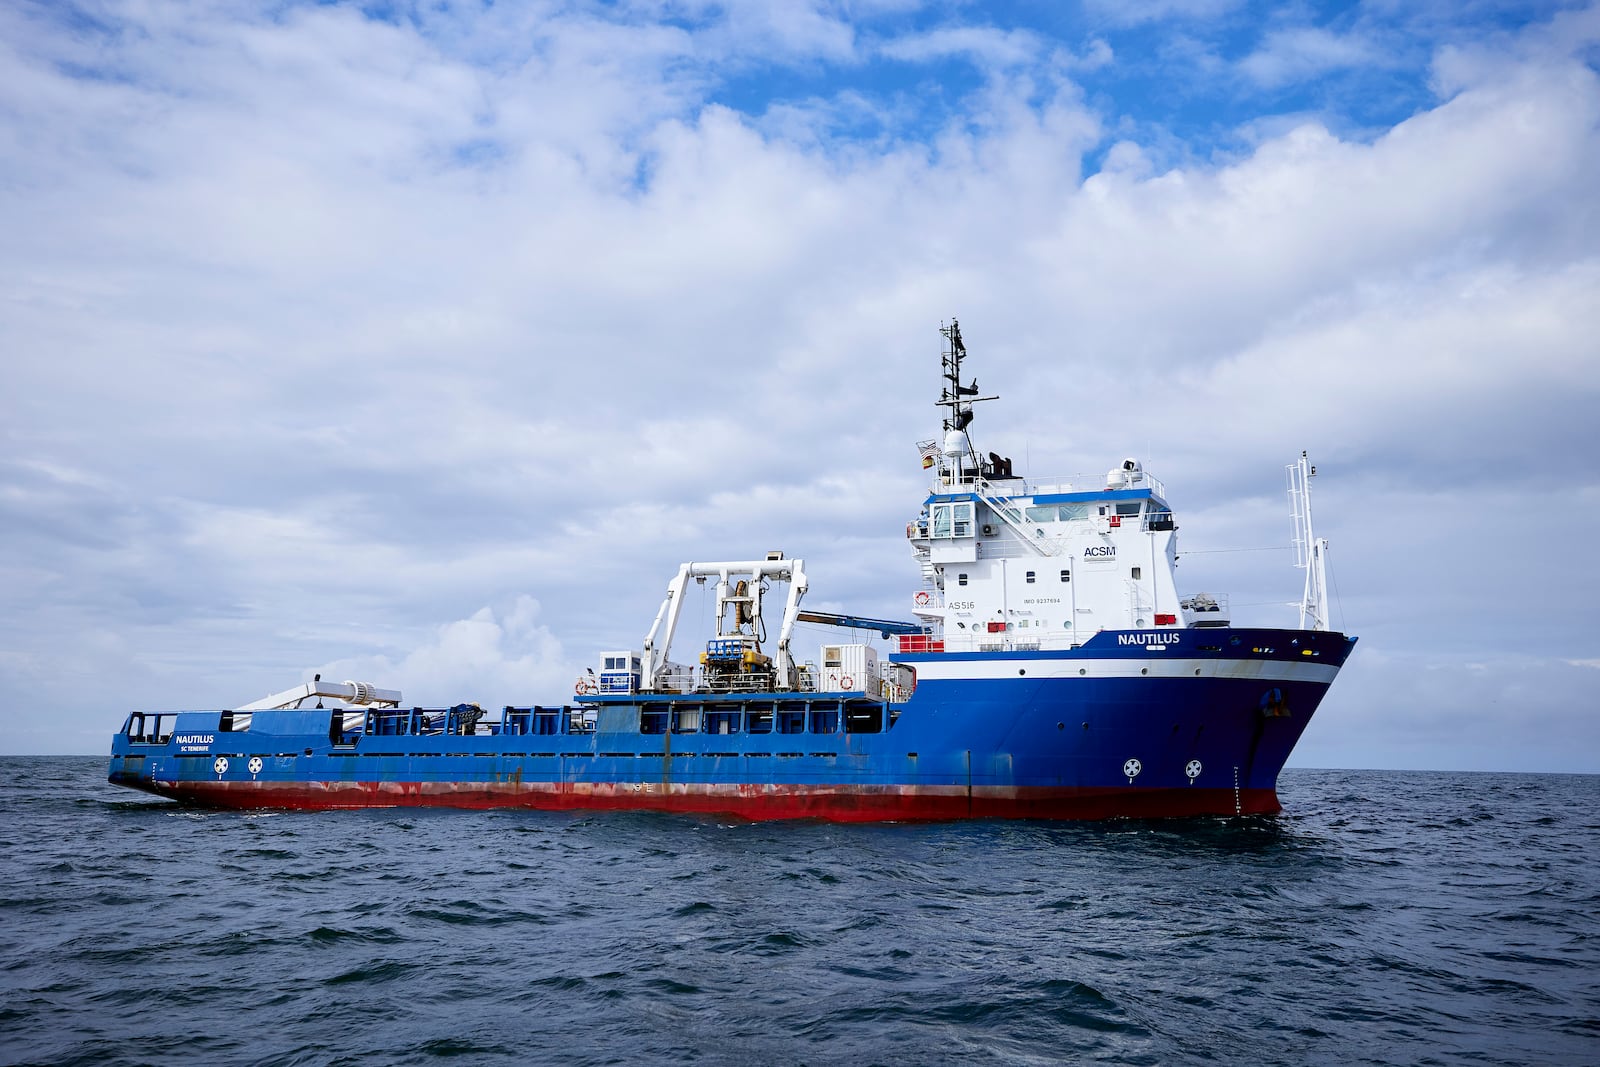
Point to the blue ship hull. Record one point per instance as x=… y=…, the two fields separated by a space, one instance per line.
x=1133 y=723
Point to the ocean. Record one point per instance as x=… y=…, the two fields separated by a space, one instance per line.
x=1384 y=918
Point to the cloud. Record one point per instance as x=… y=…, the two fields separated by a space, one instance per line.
x=492 y=659
x=1469 y=62
x=1135 y=12
x=806 y=28
x=1307 y=52
x=984 y=45
x=1448 y=712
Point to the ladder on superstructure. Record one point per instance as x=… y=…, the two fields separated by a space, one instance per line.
x=1013 y=517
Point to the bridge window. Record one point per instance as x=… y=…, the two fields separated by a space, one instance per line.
x=953 y=519
x=1129 y=509
x=1057 y=512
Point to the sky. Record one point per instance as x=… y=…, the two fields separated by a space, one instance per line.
x=420 y=343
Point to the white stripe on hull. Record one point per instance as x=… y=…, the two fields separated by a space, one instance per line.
x=1157 y=666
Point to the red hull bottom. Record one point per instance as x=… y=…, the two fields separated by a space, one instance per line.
x=754 y=802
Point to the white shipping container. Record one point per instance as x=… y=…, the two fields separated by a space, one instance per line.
x=849 y=668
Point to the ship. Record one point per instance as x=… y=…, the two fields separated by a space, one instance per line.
x=1051 y=668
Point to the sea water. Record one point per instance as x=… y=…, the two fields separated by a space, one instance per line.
x=1383 y=918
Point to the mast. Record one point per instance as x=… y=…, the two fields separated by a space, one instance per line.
x=958 y=399
x=1310 y=551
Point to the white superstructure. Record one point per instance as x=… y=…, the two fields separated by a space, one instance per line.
x=1014 y=564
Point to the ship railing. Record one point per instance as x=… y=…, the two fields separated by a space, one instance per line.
x=920 y=643
x=1072 y=483
x=1091 y=483
x=1206 y=609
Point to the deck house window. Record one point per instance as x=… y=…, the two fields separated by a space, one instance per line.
x=864 y=721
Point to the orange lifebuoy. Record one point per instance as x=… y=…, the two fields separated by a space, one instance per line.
x=847 y=682
x=923 y=599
